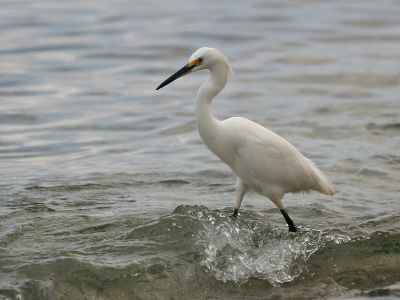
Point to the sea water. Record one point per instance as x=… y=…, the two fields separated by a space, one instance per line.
x=107 y=191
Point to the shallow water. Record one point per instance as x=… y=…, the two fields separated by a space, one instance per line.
x=107 y=191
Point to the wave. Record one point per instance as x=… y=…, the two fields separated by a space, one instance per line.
x=235 y=250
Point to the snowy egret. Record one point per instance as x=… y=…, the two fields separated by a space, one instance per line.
x=261 y=159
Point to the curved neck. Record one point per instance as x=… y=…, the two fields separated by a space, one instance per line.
x=207 y=125
x=207 y=92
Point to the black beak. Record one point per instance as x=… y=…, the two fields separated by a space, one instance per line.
x=182 y=72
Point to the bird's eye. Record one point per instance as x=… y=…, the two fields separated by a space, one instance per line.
x=200 y=60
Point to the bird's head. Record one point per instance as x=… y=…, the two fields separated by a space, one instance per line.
x=203 y=58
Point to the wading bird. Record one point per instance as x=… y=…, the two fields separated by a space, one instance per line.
x=261 y=159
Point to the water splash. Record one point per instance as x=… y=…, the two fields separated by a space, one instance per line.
x=235 y=250
x=229 y=250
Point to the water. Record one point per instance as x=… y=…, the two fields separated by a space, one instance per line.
x=107 y=191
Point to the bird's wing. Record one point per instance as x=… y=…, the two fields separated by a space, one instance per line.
x=270 y=158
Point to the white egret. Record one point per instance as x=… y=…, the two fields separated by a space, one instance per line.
x=261 y=159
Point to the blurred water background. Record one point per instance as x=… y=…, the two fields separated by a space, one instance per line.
x=107 y=191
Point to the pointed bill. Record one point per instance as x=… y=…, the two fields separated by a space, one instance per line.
x=182 y=72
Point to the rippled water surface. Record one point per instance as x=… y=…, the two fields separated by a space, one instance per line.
x=107 y=191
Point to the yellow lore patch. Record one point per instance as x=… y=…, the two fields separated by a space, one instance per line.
x=197 y=62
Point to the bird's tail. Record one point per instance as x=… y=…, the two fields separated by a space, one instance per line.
x=322 y=183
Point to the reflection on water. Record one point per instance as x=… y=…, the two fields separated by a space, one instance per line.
x=107 y=191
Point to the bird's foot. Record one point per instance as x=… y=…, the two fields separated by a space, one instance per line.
x=293 y=228
x=234 y=216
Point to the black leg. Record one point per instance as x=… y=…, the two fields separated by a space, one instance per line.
x=292 y=227
x=235 y=214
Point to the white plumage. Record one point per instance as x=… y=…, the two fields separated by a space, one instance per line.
x=261 y=159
